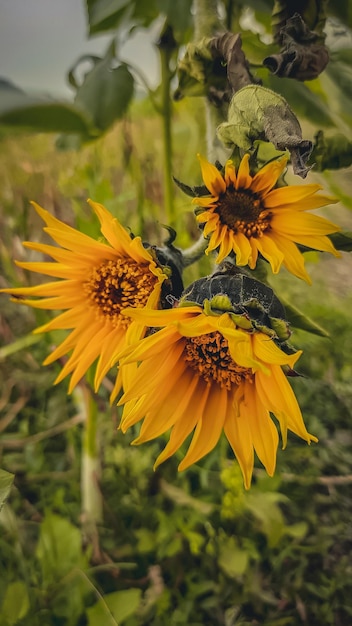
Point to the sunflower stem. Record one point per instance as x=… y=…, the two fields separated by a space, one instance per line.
x=207 y=23
x=194 y=252
x=92 y=504
x=166 y=46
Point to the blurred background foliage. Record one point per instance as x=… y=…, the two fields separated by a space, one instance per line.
x=169 y=548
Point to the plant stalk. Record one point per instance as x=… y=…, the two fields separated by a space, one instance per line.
x=207 y=23
x=92 y=502
x=166 y=46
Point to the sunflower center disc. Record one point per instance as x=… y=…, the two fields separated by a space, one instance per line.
x=241 y=211
x=118 y=284
x=209 y=356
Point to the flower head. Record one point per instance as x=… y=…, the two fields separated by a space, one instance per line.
x=248 y=215
x=216 y=377
x=97 y=281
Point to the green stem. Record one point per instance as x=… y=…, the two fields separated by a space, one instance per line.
x=207 y=23
x=165 y=48
x=92 y=503
x=194 y=252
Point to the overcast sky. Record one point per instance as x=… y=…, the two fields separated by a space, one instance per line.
x=41 y=39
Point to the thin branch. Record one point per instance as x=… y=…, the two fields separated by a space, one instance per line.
x=50 y=432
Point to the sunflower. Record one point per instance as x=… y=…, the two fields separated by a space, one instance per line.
x=248 y=215
x=215 y=377
x=98 y=281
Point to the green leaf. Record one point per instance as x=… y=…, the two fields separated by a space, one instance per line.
x=302 y=321
x=59 y=548
x=178 y=16
x=118 y=605
x=342 y=241
x=303 y=100
x=181 y=498
x=6 y=480
x=337 y=79
x=232 y=559
x=106 y=91
x=19 y=344
x=111 y=15
x=16 y=603
x=40 y=114
x=332 y=152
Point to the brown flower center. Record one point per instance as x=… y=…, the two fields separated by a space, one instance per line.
x=118 y=284
x=209 y=356
x=241 y=210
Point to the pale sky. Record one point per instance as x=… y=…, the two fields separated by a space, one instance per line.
x=41 y=39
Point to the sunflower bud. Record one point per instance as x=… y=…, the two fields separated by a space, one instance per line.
x=252 y=305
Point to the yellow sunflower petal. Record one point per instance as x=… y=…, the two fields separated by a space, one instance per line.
x=55 y=288
x=203 y=202
x=157 y=394
x=151 y=346
x=241 y=247
x=290 y=194
x=63 y=348
x=112 y=230
x=216 y=238
x=163 y=317
x=225 y=246
x=230 y=174
x=265 y=349
x=73 y=239
x=149 y=370
x=293 y=259
x=83 y=356
x=269 y=250
x=48 y=269
x=243 y=179
x=213 y=180
x=58 y=254
x=113 y=342
x=277 y=394
x=263 y=432
x=252 y=259
x=295 y=224
x=265 y=179
x=67 y=319
x=211 y=225
x=209 y=427
x=320 y=242
x=185 y=424
x=170 y=411
x=239 y=436
x=58 y=302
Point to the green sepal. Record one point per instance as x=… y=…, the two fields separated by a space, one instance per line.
x=302 y=321
x=196 y=191
x=280 y=327
x=342 y=241
x=220 y=302
x=242 y=321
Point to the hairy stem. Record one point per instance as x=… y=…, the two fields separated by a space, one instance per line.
x=208 y=24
